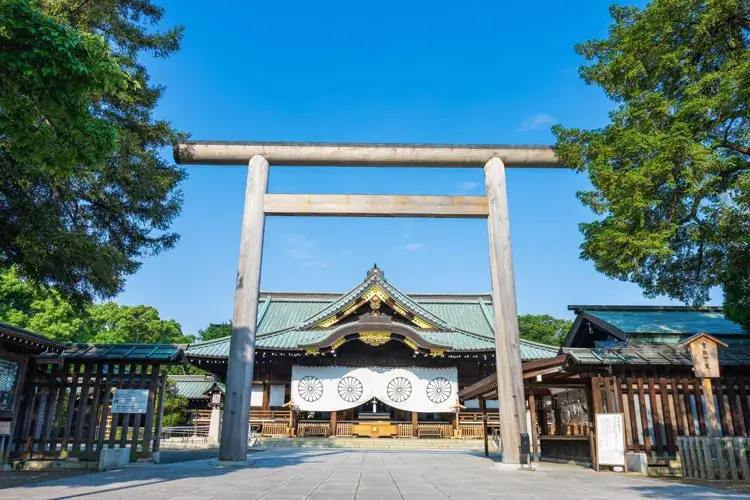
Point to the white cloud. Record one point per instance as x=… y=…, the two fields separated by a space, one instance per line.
x=411 y=247
x=302 y=250
x=536 y=122
x=466 y=186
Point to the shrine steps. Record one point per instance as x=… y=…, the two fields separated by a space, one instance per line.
x=377 y=444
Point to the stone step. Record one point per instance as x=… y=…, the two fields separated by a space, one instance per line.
x=421 y=444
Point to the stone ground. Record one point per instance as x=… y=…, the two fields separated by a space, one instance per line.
x=358 y=474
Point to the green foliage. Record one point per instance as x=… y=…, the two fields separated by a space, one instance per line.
x=174 y=407
x=84 y=192
x=44 y=311
x=671 y=171
x=112 y=323
x=215 y=331
x=543 y=328
x=51 y=75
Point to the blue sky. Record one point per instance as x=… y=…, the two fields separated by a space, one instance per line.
x=428 y=72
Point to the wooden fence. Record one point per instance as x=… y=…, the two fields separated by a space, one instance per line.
x=274 y=429
x=471 y=431
x=660 y=410
x=714 y=458
x=314 y=429
x=65 y=411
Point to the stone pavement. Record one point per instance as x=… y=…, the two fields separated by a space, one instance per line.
x=361 y=474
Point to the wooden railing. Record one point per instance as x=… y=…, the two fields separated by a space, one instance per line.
x=445 y=429
x=471 y=431
x=475 y=416
x=405 y=430
x=314 y=429
x=343 y=429
x=274 y=429
x=714 y=458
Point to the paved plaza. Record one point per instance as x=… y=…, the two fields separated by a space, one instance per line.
x=334 y=474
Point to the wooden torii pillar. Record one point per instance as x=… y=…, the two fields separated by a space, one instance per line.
x=258 y=204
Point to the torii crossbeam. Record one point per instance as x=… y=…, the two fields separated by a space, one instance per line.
x=494 y=206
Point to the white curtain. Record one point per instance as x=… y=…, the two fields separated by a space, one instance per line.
x=256 y=395
x=277 y=395
x=334 y=388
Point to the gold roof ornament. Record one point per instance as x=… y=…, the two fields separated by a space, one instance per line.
x=375 y=339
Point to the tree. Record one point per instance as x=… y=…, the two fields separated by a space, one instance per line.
x=671 y=170
x=215 y=331
x=112 y=323
x=43 y=310
x=543 y=328
x=174 y=406
x=84 y=192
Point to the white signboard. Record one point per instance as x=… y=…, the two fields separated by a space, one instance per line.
x=130 y=401
x=335 y=388
x=610 y=439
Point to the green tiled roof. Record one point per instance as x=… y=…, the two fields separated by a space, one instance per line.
x=666 y=320
x=736 y=353
x=194 y=386
x=125 y=352
x=286 y=321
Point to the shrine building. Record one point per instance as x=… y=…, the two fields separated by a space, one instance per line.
x=327 y=364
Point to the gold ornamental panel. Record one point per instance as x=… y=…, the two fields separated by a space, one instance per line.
x=338 y=343
x=375 y=339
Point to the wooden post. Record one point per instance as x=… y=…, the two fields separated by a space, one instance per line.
x=292 y=423
x=333 y=424
x=507 y=344
x=160 y=416
x=414 y=424
x=533 y=435
x=234 y=431
x=712 y=426
x=557 y=414
x=483 y=407
x=543 y=422
x=266 y=396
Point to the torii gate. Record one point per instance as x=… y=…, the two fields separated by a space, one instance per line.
x=258 y=204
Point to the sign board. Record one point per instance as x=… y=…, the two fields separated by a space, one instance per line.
x=610 y=439
x=130 y=401
x=5 y=428
x=705 y=355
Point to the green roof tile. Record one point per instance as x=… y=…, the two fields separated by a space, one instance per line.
x=669 y=322
x=285 y=322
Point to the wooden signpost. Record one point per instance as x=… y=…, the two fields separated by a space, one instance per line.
x=610 y=440
x=494 y=207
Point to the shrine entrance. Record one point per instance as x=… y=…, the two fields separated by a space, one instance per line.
x=258 y=203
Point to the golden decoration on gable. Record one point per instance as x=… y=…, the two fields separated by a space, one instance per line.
x=327 y=322
x=338 y=343
x=375 y=303
x=400 y=310
x=411 y=343
x=421 y=323
x=437 y=352
x=375 y=339
x=312 y=351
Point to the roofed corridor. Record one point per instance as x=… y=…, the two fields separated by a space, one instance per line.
x=363 y=475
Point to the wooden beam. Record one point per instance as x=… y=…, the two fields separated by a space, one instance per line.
x=233 y=445
x=377 y=155
x=376 y=205
x=507 y=342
